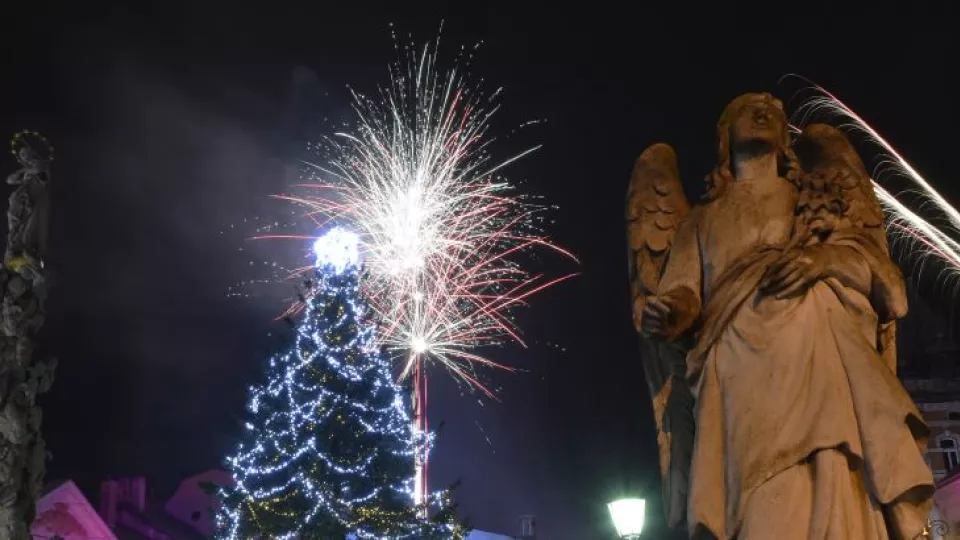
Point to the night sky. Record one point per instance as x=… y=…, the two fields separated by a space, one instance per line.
x=175 y=122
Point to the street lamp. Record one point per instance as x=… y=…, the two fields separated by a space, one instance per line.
x=627 y=517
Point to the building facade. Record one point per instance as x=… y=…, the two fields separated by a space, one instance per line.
x=939 y=402
x=943 y=448
x=929 y=366
x=126 y=513
x=64 y=512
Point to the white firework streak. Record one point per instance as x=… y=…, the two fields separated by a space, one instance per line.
x=923 y=239
x=443 y=235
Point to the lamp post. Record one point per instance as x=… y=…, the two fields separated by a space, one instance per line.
x=627 y=517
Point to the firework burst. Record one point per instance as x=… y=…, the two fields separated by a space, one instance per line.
x=922 y=239
x=443 y=235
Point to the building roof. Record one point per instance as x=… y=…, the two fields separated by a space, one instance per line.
x=932 y=390
x=192 y=503
x=136 y=525
x=62 y=510
x=481 y=535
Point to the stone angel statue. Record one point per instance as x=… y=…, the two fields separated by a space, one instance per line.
x=767 y=314
x=27 y=212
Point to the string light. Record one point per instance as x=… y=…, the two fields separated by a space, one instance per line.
x=330 y=448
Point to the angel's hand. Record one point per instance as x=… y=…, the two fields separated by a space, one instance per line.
x=795 y=271
x=654 y=320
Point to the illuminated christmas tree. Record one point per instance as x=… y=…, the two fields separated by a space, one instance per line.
x=330 y=447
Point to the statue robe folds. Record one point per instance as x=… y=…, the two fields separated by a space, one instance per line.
x=802 y=424
x=802 y=430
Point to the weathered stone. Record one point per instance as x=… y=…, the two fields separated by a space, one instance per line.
x=779 y=297
x=23 y=377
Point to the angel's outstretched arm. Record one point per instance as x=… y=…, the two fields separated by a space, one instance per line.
x=680 y=286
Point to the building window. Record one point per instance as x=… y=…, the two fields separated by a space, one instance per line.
x=950 y=456
x=527 y=527
x=953 y=416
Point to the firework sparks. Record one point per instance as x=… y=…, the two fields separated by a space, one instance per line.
x=442 y=234
x=905 y=226
x=928 y=241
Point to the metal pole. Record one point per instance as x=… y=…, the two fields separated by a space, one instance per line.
x=419 y=392
x=23 y=285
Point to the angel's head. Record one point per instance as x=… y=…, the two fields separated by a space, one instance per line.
x=752 y=124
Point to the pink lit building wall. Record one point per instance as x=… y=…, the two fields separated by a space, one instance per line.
x=64 y=511
x=125 y=512
x=942 y=414
x=191 y=504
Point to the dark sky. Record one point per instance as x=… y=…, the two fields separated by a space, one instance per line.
x=174 y=121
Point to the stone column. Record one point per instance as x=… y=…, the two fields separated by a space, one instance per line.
x=23 y=284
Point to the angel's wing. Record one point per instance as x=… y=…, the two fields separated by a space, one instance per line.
x=821 y=147
x=655 y=206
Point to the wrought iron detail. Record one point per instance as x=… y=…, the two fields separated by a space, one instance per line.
x=933 y=527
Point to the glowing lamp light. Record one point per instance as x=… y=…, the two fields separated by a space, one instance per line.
x=338 y=248
x=628 y=517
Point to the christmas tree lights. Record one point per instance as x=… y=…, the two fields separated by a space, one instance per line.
x=330 y=447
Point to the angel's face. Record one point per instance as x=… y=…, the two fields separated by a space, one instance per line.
x=758 y=121
x=26 y=157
